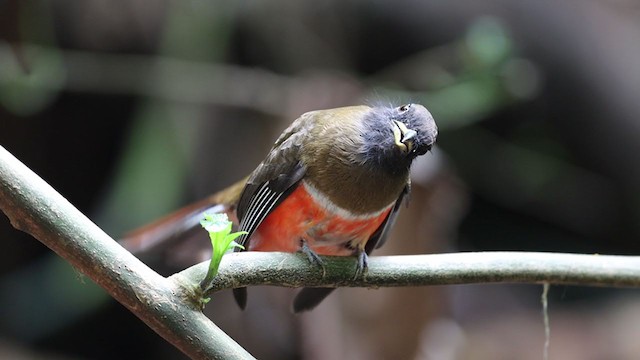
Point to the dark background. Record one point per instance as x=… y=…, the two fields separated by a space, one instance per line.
x=131 y=109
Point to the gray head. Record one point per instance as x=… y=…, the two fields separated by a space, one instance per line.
x=398 y=135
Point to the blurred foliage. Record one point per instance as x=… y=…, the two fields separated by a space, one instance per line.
x=25 y=94
x=28 y=88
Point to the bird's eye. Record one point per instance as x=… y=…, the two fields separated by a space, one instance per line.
x=404 y=108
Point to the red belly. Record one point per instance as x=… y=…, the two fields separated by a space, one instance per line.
x=299 y=217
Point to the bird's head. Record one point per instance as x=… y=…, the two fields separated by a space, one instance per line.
x=393 y=137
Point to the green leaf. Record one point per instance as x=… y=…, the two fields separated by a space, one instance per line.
x=222 y=240
x=216 y=223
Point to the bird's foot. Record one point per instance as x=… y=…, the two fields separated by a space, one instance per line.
x=313 y=257
x=363 y=264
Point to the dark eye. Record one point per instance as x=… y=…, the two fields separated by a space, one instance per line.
x=404 y=108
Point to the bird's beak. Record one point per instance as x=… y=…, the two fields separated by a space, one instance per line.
x=404 y=136
x=408 y=137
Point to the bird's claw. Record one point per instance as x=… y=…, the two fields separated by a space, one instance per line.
x=313 y=257
x=362 y=266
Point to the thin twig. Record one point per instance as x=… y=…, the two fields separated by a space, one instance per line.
x=545 y=319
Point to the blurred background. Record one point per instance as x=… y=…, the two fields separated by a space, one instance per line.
x=132 y=109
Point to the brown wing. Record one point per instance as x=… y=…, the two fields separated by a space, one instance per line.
x=380 y=236
x=275 y=178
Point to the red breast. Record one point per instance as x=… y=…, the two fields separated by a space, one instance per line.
x=326 y=228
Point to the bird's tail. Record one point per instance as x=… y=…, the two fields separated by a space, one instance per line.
x=308 y=298
x=182 y=224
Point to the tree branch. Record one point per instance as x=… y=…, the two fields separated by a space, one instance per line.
x=36 y=208
x=294 y=270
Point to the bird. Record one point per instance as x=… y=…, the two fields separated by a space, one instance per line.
x=332 y=184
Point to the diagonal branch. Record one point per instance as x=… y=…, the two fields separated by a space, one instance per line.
x=36 y=208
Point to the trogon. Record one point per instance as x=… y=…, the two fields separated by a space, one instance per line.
x=332 y=184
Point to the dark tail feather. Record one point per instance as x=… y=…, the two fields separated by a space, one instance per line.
x=240 y=294
x=170 y=229
x=182 y=223
x=308 y=298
